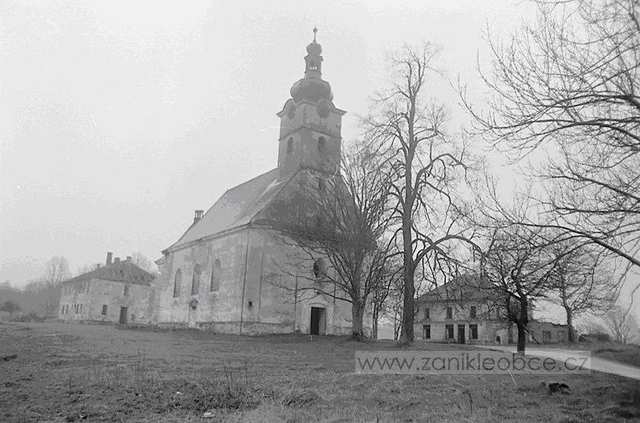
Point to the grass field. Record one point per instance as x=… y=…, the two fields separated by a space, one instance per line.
x=66 y=373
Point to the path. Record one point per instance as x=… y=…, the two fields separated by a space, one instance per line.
x=595 y=363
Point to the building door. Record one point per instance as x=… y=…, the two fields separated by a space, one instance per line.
x=461 y=337
x=318 y=321
x=123 y=315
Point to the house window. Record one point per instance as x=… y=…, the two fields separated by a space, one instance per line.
x=449 y=331
x=104 y=309
x=195 y=280
x=215 y=276
x=426 y=313
x=126 y=290
x=426 y=331
x=290 y=146
x=177 y=280
x=474 y=331
x=322 y=145
x=472 y=313
x=449 y=313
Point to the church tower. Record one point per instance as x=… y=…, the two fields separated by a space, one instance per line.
x=310 y=124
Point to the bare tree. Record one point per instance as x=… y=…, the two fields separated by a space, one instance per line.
x=56 y=270
x=582 y=282
x=622 y=325
x=405 y=124
x=519 y=270
x=44 y=293
x=382 y=296
x=143 y=262
x=569 y=85
x=336 y=222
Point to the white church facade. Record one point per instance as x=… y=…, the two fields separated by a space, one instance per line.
x=231 y=271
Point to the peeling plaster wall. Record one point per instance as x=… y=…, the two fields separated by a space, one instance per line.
x=95 y=293
x=257 y=287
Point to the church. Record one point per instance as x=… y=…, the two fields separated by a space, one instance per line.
x=231 y=271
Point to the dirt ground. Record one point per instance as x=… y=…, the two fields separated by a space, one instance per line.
x=76 y=372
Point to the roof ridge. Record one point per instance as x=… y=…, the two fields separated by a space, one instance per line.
x=103 y=273
x=246 y=182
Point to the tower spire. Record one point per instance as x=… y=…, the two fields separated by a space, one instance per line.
x=313 y=58
x=312 y=86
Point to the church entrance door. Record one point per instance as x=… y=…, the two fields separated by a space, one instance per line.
x=123 y=315
x=318 y=321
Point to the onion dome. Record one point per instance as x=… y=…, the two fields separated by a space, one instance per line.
x=312 y=86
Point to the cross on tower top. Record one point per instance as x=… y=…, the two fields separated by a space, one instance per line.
x=315 y=31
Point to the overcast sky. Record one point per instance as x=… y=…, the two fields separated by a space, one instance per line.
x=119 y=118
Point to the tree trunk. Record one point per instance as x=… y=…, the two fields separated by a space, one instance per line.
x=374 y=322
x=572 y=332
x=357 y=314
x=396 y=326
x=523 y=320
x=406 y=336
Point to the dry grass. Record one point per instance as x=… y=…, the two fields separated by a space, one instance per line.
x=99 y=373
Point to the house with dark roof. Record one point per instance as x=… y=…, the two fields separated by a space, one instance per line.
x=467 y=311
x=231 y=271
x=118 y=292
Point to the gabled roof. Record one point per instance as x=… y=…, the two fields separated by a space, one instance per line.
x=237 y=207
x=123 y=271
x=464 y=287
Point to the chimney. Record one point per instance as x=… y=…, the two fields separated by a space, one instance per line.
x=109 y=257
x=116 y=260
x=198 y=215
x=98 y=266
x=128 y=258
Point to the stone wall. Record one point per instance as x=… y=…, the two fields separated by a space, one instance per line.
x=93 y=294
x=265 y=286
x=487 y=318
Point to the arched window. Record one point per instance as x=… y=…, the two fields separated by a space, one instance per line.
x=322 y=145
x=195 y=280
x=177 y=280
x=290 y=145
x=215 y=276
